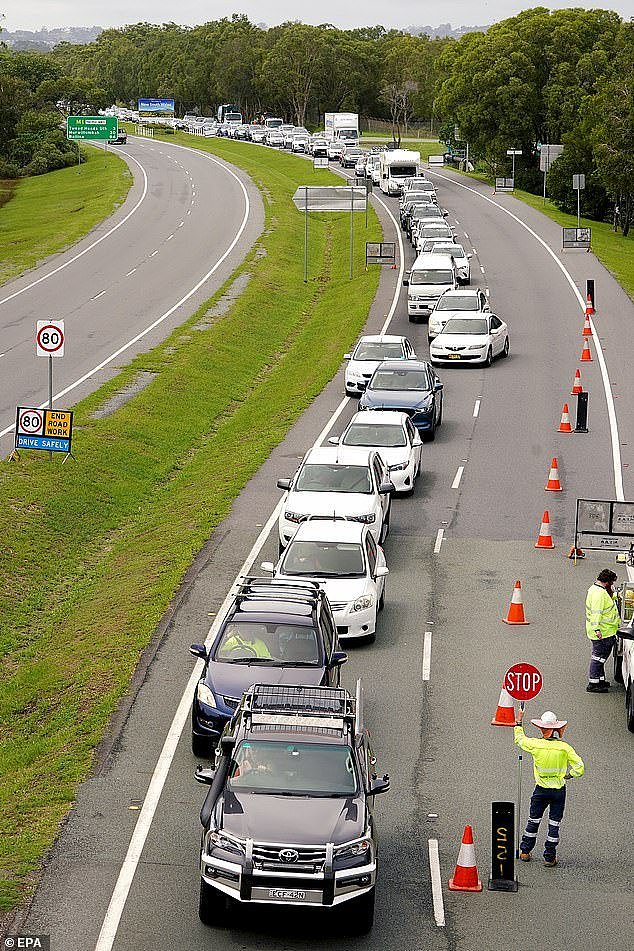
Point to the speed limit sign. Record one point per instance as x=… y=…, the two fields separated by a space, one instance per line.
x=49 y=338
x=31 y=422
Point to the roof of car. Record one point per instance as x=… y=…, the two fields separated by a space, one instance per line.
x=384 y=418
x=381 y=338
x=330 y=530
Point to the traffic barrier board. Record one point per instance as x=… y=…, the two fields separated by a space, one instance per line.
x=523 y=682
x=49 y=338
x=48 y=429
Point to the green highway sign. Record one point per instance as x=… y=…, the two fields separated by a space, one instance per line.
x=100 y=128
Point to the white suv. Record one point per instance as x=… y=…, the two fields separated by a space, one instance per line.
x=348 y=564
x=337 y=482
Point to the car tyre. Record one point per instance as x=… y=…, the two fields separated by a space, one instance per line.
x=359 y=914
x=439 y=420
x=505 y=351
x=618 y=667
x=430 y=435
x=629 y=701
x=489 y=357
x=212 y=906
x=385 y=531
x=381 y=604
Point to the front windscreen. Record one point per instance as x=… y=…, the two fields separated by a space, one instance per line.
x=277 y=767
x=459 y=326
x=467 y=302
x=399 y=380
x=325 y=559
x=274 y=123
x=261 y=642
x=402 y=171
x=233 y=117
x=386 y=436
x=421 y=276
x=378 y=351
x=325 y=477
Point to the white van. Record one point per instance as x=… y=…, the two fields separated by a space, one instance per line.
x=396 y=165
x=431 y=275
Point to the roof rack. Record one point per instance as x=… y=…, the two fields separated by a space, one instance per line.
x=259 y=589
x=297 y=706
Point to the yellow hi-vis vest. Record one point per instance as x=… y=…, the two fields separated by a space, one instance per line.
x=551 y=759
x=602 y=613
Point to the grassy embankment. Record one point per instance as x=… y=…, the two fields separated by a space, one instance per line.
x=47 y=213
x=93 y=553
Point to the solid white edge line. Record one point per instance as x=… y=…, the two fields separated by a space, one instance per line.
x=168 y=313
x=131 y=272
x=100 y=294
x=103 y=237
x=609 y=398
x=476 y=409
x=436 y=882
x=458 y=476
x=110 y=925
x=439 y=540
x=427 y=656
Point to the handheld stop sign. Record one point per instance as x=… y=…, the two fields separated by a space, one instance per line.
x=523 y=682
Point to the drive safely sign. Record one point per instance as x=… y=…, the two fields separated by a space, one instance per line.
x=49 y=429
x=523 y=682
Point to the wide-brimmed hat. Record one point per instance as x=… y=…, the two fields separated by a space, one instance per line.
x=548 y=721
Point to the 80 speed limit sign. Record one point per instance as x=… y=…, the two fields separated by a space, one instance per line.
x=49 y=338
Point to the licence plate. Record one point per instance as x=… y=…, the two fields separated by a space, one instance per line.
x=453 y=356
x=287 y=894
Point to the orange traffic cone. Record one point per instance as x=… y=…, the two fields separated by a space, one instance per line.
x=589 y=306
x=576 y=386
x=586 y=356
x=505 y=713
x=516 y=609
x=544 y=539
x=587 y=329
x=465 y=878
x=564 y=425
x=553 y=484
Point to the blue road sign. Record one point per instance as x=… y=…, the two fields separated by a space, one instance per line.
x=156 y=107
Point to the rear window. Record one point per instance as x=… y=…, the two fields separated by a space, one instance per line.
x=466 y=302
x=420 y=276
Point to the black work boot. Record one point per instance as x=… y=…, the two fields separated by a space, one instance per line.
x=602 y=687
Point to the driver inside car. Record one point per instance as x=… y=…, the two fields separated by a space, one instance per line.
x=241 y=643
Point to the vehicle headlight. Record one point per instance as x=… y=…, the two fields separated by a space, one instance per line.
x=218 y=840
x=415 y=297
x=366 y=519
x=435 y=324
x=363 y=603
x=205 y=695
x=356 y=847
x=293 y=516
x=476 y=346
x=427 y=403
x=400 y=467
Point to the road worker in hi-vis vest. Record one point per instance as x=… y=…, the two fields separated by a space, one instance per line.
x=553 y=762
x=602 y=623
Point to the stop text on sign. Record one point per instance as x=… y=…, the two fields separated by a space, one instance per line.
x=523 y=682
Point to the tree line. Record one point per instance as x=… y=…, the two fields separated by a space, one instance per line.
x=564 y=76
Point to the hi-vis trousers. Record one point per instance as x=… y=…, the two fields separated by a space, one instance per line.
x=601 y=650
x=554 y=800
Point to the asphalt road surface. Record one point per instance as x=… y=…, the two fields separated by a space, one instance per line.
x=433 y=736
x=186 y=224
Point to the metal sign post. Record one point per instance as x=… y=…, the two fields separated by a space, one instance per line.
x=578 y=183
x=49 y=342
x=320 y=198
x=351 y=230
x=522 y=682
x=305 y=234
x=513 y=153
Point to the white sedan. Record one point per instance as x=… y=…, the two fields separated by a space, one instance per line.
x=475 y=339
x=345 y=559
x=467 y=302
x=368 y=353
x=394 y=437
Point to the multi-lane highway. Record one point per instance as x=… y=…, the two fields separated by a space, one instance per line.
x=186 y=224
x=454 y=551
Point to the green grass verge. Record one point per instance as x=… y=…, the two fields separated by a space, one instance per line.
x=47 y=213
x=614 y=251
x=93 y=552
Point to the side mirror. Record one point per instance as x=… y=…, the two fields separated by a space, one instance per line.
x=227 y=744
x=347 y=356
x=338 y=658
x=406 y=282
x=417 y=441
x=381 y=571
x=379 y=785
x=204 y=776
x=198 y=650
x=627 y=633
x=445 y=214
x=437 y=386
x=268 y=566
x=284 y=484
x=469 y=256
x=334 y=440
x=386 y=488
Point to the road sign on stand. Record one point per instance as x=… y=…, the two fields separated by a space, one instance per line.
x=92 y=128
x=49 y=338
x=380 y=252
x=48 y=429
x=579 y=238
x=504 y=185
x=523 y=682
x=320 y=161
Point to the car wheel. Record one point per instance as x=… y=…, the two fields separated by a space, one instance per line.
x=618 y=667
x=385 y=531
x=212 y=906
x=430 y=435
x=358 y=914
x=439 y=420
x=505 y=351
x=200 y=747
x=382 y=599
x=280 y=549
x=429 y=338
x=629 y=700
x=489 y=357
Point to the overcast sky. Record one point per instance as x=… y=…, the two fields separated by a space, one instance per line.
x=34 y=14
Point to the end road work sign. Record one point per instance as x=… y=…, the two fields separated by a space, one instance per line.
x=49 y=429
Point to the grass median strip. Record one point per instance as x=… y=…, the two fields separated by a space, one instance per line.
x=46 y=213
x=94 y=552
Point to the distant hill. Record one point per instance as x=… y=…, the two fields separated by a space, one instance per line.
x=45 y=39
x=445 y=29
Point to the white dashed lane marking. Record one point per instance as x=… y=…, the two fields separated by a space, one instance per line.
x=439 y=540
x=458 y=476
x=476 y=409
